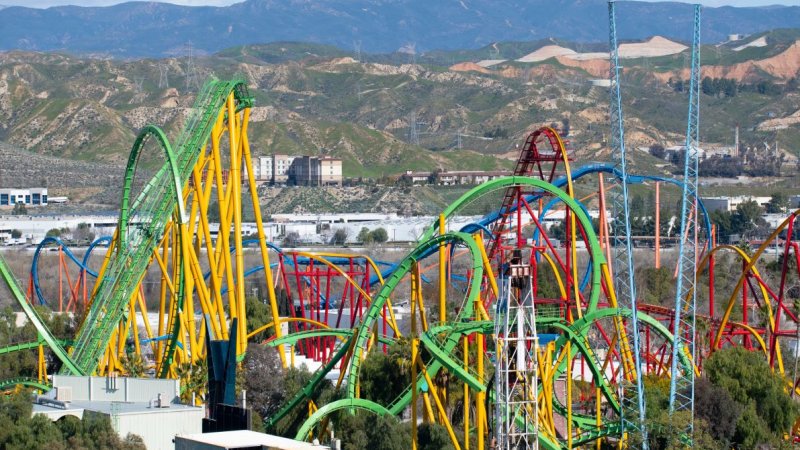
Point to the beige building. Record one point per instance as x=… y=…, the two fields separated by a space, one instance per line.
x=330 y=171
x=280 y=168
x=298 y=170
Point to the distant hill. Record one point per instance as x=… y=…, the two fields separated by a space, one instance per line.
x=384 y=114
x=139 y=29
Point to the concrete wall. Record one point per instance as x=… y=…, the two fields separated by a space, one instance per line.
x=159 y=427
x=122 y=389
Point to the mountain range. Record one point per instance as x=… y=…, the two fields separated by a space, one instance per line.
x=151 y=29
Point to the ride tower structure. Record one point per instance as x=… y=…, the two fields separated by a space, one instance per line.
x=681 y=390
x=516 y=376
x=632 y=390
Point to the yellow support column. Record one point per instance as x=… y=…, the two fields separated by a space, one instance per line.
x=236 y=186
x=599 y=419
x=569 y=395
x=466 y=395
x=442 y=274
x=442 y=291
x=262 y=239
x=480 y=410
x=42 y=365
x=439 y=407
x=414 y=343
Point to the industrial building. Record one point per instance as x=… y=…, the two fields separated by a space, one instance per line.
x=730 y=203
x=149 y=408
x=35 y=228
x=28 y=197
x=443 y=177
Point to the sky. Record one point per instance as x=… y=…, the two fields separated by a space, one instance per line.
x=48 y=3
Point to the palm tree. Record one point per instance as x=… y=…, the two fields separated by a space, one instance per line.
x=133 y=365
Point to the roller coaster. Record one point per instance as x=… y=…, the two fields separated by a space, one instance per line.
x=450 y=297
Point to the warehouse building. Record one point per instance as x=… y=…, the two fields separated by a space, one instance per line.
x=146 y=407
x=28 y=197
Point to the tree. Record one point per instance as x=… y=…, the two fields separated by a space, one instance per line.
x=133 y=365
x=714 y=405
x=368 y=431
x=384 y=376
x=340 y=236
x=258 y=315
x=722 y=219
x=19 y=429
x=53 y=232
x=565 y=127
x=364 y=236
x=707 y=86
x=83 y=232
x=432 y=436
x=16 y=234
x=767 y=409
x=379 y=235
x=721 y=166
x=778 y=203
x=664 y=430
x=658 y=151
x=291 y=239
x=194 y=378
x=746 y=217
x=658 y=285
x=263 y=379
x=19 y=210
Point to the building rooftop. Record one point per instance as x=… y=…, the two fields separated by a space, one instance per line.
x=246 y=439
x=76 y=408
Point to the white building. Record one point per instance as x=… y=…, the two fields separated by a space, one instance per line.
x=34 y=228
x=263 y=169
x=146 y=407
x=28 y=197
x=730 y=203
x=240 y=440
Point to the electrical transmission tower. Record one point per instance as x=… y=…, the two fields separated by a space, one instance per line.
x=357 y=48
x=163 y=76
x=413 y=130
x=681 y=386
x=516 y=385
x=138 y=82
x=191 y=71
x=632 y=396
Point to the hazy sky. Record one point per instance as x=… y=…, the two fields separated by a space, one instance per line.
x=47 y=3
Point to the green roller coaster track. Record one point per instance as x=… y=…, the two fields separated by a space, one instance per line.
x=44 y=333
x=441 y=350
x=141 y=226
x=27 y=382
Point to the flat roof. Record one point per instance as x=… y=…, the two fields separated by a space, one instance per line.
x=246 y=438
x=116 y=408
